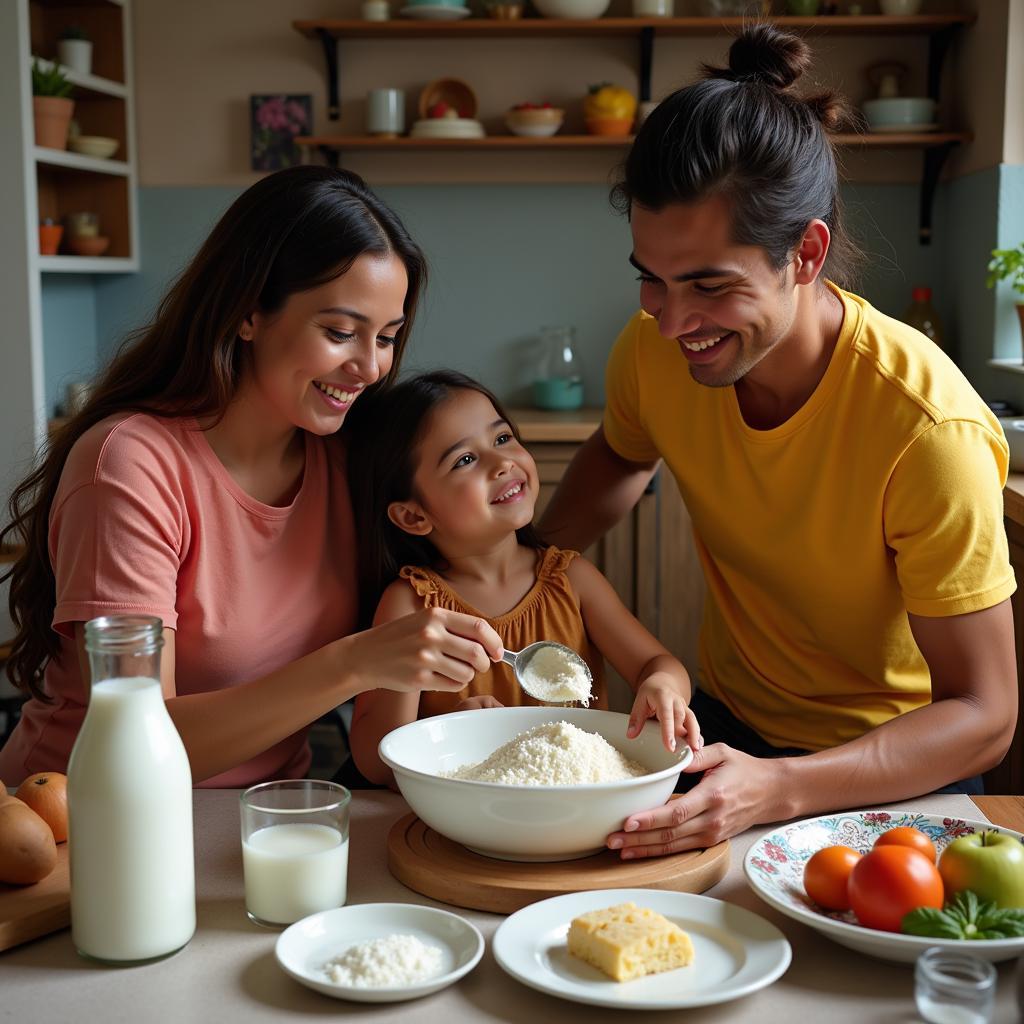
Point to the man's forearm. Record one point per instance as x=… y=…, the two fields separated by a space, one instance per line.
x=597 y=490
x=915 y=753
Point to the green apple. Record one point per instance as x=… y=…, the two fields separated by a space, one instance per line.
x=991 y=864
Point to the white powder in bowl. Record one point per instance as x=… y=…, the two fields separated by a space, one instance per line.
x=552 y=754
x=385 y=963
x=558 y=676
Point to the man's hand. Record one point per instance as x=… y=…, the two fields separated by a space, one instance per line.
x=731 y=797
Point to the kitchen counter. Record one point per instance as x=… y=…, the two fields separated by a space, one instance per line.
x=228 y=973
x=1013 y=498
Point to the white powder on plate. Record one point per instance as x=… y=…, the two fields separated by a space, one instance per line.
x=552 y=754
x=557 y=676
x=385 y=963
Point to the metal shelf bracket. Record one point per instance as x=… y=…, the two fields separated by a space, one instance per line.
x=934 y=159
x=330 y=46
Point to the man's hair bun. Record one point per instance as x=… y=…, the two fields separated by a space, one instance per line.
x=765 y=54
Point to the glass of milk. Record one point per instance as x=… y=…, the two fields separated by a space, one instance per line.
x=294 y=849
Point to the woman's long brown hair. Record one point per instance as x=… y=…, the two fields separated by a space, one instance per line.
x=291 y=231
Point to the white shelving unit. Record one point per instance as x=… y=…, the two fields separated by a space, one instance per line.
x=36 y=182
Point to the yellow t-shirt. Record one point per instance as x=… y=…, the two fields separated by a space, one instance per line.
x=882 y=495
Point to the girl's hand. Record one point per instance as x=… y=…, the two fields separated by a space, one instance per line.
x=660 y=696
x=474 y=703
x=431 y=649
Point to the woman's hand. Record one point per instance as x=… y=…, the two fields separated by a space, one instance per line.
x=475 y=703
x=737 y=791
x=431 y=649
x=663 y=696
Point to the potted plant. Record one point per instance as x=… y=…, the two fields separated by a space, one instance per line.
x=1008 y=264
x=74 y=49
x=51 y=107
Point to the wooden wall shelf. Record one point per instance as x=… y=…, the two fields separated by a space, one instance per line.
x=906 y=140
x=938 y=28
x=493 y=28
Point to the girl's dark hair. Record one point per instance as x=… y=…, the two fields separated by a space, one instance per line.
x=742 y=133
x=291 y=231
x=385 y=433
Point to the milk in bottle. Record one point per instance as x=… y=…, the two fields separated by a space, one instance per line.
x=129 y=804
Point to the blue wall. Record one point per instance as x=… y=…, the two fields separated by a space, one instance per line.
x=506 y=260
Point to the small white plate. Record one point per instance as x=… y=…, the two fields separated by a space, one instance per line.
x=735 y=951
x=774 y=866
x=896 y=129
x=435 y=12
x=303 y=948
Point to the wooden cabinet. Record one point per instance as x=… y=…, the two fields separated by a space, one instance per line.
x=649 y=557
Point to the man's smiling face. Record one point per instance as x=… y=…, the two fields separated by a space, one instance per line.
x=724 y=303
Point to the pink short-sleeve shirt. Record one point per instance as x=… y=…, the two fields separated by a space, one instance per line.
x=147 y=520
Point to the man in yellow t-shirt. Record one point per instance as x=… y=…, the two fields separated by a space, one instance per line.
x=843 y=477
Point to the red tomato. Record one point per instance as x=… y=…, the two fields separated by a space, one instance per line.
x=907 y=836
x=889 y=882
x=826 y=875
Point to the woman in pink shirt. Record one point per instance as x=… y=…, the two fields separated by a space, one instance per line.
x=204 y=483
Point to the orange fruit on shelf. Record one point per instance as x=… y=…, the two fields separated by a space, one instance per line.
x=906 y=835
x=47 y=794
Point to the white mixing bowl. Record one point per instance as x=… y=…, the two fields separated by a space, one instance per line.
x=528 y=823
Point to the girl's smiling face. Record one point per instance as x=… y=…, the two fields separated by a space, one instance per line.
x=474 y=484
x=312 y=358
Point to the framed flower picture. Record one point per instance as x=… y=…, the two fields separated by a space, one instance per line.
x=275 y=122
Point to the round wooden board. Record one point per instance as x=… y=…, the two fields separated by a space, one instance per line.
x=435 y=866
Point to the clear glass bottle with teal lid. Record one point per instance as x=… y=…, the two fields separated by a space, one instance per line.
x=559 y=381
x=129 y=804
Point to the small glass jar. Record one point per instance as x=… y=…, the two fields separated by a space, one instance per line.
x=559 y=382
x=951 y=987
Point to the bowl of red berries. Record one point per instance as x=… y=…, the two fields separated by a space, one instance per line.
x=534 y=119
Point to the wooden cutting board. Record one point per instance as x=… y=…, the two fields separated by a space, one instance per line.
x=29 y=911
x=430 y=864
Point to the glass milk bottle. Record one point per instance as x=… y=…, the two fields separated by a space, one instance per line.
x=129 y=804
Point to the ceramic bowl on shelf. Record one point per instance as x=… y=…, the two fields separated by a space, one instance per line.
x=84 y=245
x=447 y=93
x=536 y=122
x=94 y=145
x=447 y=128
x=524 y=823
x=900 y=113
x=571 y=8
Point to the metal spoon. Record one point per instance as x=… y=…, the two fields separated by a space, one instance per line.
x=520 y=660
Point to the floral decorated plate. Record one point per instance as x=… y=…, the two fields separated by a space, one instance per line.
x=774 y=866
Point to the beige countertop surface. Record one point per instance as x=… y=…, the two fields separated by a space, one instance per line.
x=228 y=973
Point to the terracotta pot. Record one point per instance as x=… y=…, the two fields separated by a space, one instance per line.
x=52 y=117
x=49 y=238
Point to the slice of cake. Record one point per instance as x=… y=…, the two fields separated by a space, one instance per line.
x=627 y=941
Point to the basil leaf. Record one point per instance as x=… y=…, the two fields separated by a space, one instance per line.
x=935 y=924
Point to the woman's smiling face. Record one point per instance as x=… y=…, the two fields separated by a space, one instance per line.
x=474 y=482
x=313 y=357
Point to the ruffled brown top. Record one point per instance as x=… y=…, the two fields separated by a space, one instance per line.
x=550 y=610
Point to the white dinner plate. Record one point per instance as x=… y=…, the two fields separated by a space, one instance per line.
x=896 y=129
x=774 y=866
x=735 y=951
x=303 y=948
x=435 y=12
